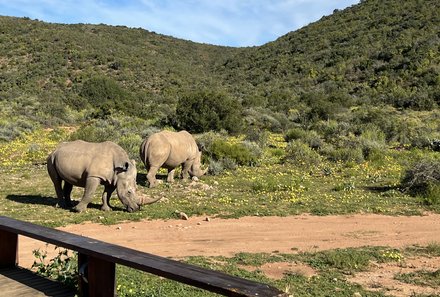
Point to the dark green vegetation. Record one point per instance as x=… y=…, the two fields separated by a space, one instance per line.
x=378 y=53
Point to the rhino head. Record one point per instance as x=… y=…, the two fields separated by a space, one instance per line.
x=126 y=187
x=196 y=169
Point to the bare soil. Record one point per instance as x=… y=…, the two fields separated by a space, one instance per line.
x=201 y=236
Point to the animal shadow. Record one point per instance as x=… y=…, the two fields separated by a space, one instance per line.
x=141 y=179
x=381 y=189
x=49 y=201
x=33 y=199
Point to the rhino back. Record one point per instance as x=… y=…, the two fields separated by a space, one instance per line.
x=171 y=148
x=77 y=160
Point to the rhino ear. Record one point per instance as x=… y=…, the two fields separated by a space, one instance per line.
x=122 y=168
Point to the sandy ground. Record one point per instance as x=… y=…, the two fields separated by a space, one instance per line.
x=201 y=236
x=212 y=237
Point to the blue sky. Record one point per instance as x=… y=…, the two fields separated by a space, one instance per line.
x=219 y=22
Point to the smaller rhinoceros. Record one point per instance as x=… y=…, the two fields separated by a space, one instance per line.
x=169 y=149
x=87 y=165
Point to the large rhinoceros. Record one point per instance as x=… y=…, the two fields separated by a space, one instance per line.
x=169 y=149
x=87 y=165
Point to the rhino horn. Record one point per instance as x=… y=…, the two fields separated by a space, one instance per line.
x=144 y=199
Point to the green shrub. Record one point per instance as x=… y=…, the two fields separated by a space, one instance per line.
x=130 y=143
x=309 y=137
x=345 y=154
x=242 y=154
x=423 y=179
x=205 y=111
x=294 y=134
x=106 y=94
x=373 y=144
x=264 y=119
x=300 y=153
x=215 y=167
x=95 y=132
x=332 y=129
x=260 y=137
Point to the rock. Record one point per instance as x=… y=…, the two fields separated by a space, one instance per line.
x=164 y=200
x=207 y=219
x=195 y=178
x=181 y=215
x=118 y=228
x=206 y=187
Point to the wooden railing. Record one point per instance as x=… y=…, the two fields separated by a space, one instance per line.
x=97 y=263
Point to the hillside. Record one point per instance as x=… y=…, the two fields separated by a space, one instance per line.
x=377 y=53
x=49 y=63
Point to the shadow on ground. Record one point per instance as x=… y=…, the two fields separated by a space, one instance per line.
x=50 y=201
x=381 y=189
x=141 y=179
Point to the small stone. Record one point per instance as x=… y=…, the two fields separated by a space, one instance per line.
x=207 y=219
x=195 y=178
x=183 y=216
x=357 y=294
x=118 y=228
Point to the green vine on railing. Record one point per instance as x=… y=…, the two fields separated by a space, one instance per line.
x=62 y=268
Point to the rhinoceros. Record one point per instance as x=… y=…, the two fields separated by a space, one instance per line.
x=169 y=149
x=87 y=165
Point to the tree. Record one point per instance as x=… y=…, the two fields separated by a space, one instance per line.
x=204 y=110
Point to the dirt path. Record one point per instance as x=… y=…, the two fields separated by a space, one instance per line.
x=212 y=237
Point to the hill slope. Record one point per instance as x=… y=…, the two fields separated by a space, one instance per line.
x=377 y=52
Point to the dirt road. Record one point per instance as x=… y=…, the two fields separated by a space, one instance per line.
x=211 y=237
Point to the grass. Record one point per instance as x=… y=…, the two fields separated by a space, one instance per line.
x=27 y=193
x=333 y=269
x=271 y=188
x=421 y=278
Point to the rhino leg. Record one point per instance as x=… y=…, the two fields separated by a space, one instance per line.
x=170 y=177
x=151 y=176
x=91 y=184
x=185 y=169
x=67 y=190
x=57 y=183
x=108 y=191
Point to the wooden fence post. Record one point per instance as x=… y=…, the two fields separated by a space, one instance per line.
x=96 y=277
x=8 y=249
x=83 y=286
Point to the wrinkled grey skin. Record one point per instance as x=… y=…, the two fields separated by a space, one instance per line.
x=169 y=150
x=87 y=165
